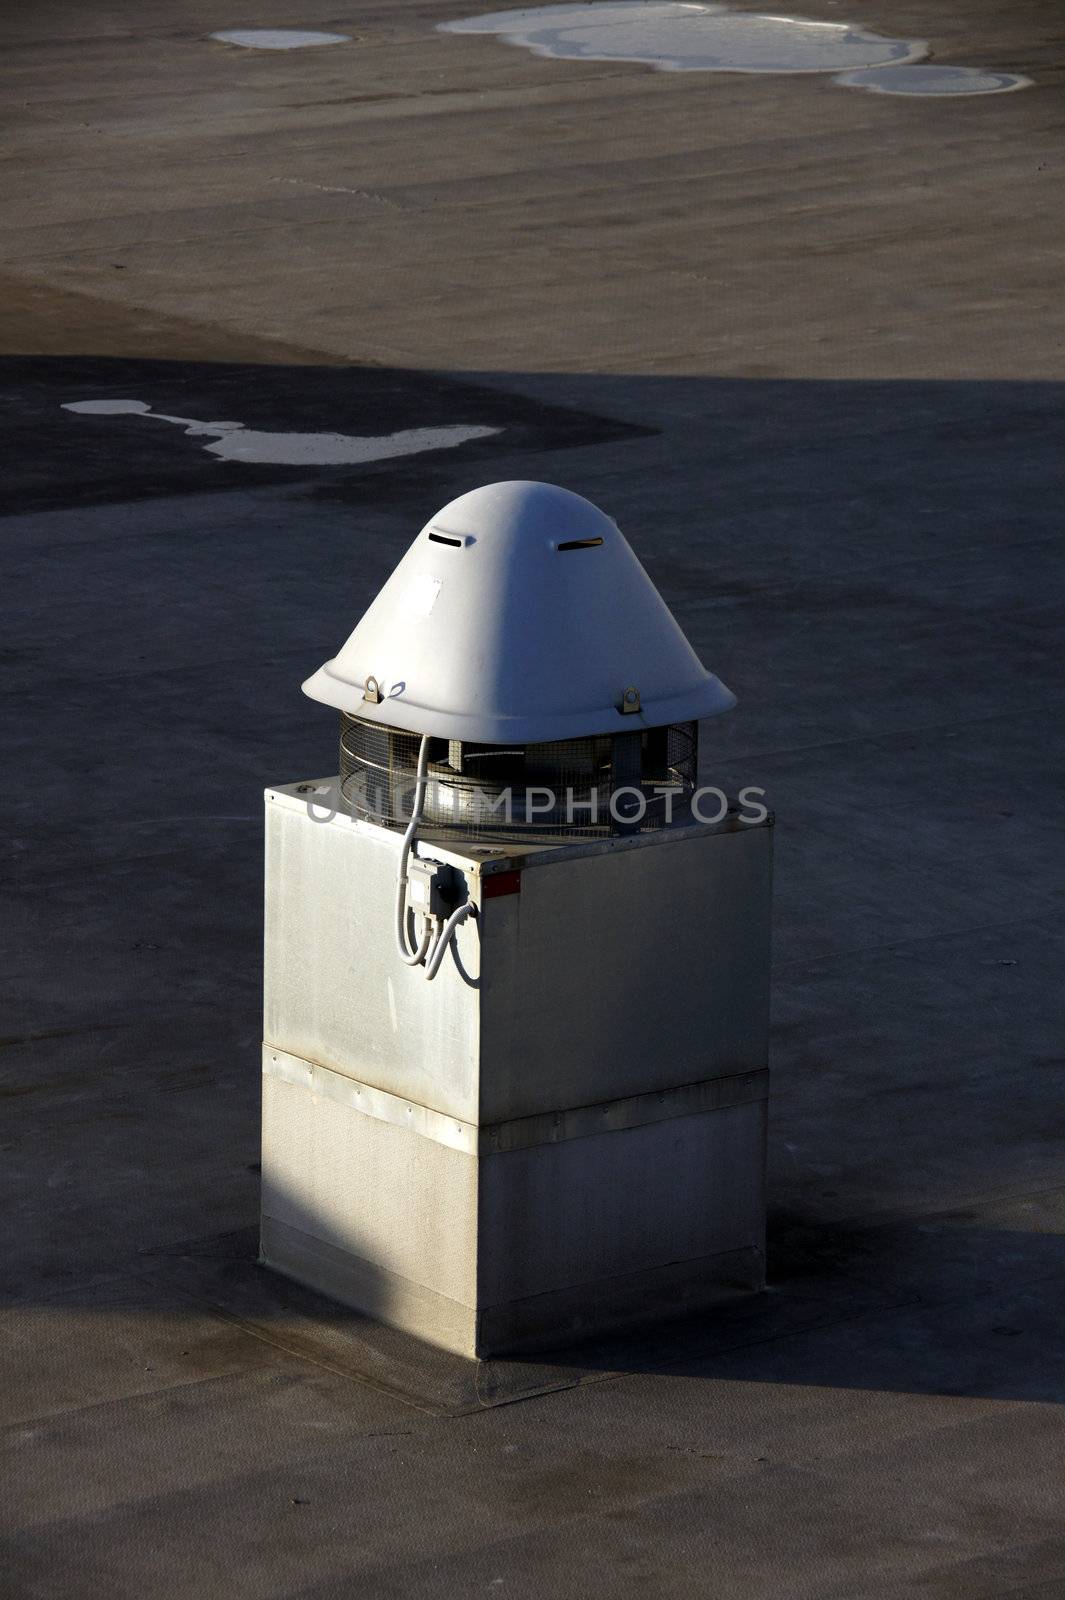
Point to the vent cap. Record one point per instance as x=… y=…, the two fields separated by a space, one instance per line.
x=519 y=613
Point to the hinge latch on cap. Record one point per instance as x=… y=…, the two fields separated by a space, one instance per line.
x=372 y=691
x=630 y=699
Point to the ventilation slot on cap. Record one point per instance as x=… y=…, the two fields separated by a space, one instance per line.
x=442 y=538
x=578 y=544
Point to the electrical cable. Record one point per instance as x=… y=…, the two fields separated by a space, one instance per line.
x=421 y=952
x=445 y=936
x=412 y=957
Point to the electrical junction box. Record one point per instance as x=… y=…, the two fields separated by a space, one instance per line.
x=564 y=1132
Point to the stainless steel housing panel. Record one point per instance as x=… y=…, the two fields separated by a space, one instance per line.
x=336 y=991
x=387 y=1196
x=590 y=1210
x=627 y=971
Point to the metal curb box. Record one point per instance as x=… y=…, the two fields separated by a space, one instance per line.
x=565 y=1131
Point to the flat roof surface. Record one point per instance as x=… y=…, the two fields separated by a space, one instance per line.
x=808 y=346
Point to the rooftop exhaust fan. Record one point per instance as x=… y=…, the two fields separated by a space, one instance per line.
x=566 y=1130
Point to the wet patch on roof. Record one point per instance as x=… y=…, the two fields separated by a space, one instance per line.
x=232 y=441
x=677 y=37
x=674 y=36
x=330 y=428
x=278 y=38
x=927 y=79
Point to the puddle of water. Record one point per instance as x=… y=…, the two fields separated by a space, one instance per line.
x=677 y=37
x=235 y=442
x=278 y=38
x=932 y=80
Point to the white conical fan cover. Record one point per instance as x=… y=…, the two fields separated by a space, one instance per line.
x=490 y=631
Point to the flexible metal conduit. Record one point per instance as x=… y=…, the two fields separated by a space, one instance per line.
x=421 y=952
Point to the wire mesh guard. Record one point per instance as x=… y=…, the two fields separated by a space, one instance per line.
x=568 y=789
